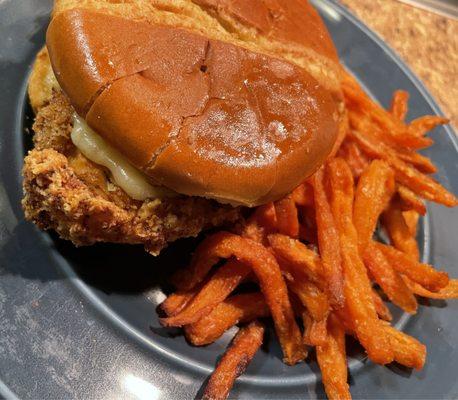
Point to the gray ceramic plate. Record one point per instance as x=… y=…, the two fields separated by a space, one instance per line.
x=81 y=323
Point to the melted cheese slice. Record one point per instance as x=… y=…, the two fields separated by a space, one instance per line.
x=127 y=177
x=50 y=80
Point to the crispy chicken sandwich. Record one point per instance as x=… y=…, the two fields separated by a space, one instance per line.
x=157 y=119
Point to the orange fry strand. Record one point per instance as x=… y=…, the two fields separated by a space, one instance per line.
x=287 y=218
x=175 y=302
x=203 y=260
x=423 y=274
x=355 y=158
x=328 y=242
x=422 y=125
x=261 y=223
x=411 y=217
x=363 y=124
x=408 y=351
x=396 y=131
x=420 y=184
x=303 y=195
x=373 y=193
x=448 y=292
x=332 y=361
x=357 y=287
x=315 y=332
x=345 y=320
x=298 y=256
x=344 y=127
x=265 y=216
x=220 y=285
x=264 y=265
x=234 y=361
x=410 y=201
x=254 y=231
x=420 y=162
x=382 y=310
x=399 y=104
x=388 y=279
x=312 y=298
x=398 y=231
x=236 y=309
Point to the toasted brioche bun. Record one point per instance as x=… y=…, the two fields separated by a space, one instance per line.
x=228 y=114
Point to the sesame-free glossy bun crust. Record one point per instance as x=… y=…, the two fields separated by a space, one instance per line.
x=202 y=116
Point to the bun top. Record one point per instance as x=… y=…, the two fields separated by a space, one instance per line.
x=190 y=98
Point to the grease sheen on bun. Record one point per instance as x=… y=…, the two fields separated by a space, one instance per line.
x=202 y=112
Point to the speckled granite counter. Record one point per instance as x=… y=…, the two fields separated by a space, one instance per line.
x=426 y=41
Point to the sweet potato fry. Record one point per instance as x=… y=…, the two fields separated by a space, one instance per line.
x=420 y=162
x=240 y=308
x=219 y=286
x=298 y=256
x=363 y=124
x=448 y=292
x=344 y=127
x=287 y=218
x=234 y=361
x=315 y=332
x=410 y=201
x=333 y=362
x=264 y=265
x=357 y=287
x=399 y=104
x=388 y=279
x=408 y=351
x=423 y=274
x=394 y=130
x=355 y=158
x=411 y=218
x=312 y=298
x=202 y=261
x=261 y=223
x=422 y=125
x=266 y=217
x=373 y=193
x=382 y=310
x=175 y=302
x=419 y=183
x=303 y=195
x=398 y=231
x=328 y=242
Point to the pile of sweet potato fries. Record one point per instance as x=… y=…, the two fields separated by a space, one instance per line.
x=321 y=270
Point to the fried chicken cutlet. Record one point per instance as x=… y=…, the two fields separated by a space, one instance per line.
x=66 y=192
